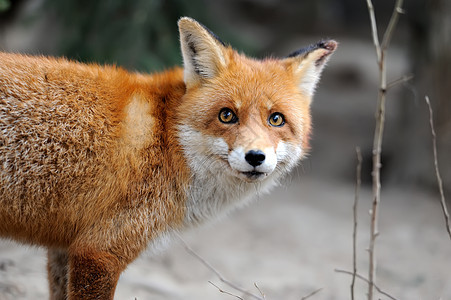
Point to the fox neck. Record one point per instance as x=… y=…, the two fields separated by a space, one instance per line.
x=212 y=196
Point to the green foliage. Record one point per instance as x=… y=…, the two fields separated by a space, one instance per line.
x=4 y=5
x=139 y=34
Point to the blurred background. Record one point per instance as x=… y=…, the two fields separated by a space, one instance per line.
x=142 y=35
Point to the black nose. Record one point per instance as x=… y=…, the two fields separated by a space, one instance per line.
x=255 y=157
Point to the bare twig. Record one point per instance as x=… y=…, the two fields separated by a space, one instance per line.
x=403 y=79
x=212 y=269
x=354 y=209
x=374 y=29
x=312 y=294
x=391 y=25
x=367 y=281
x=379 y=130
x=260 y=291
x=437 y=172
x=224 y=292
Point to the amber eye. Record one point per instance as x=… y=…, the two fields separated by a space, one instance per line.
x=276 y=119
x=226 y=115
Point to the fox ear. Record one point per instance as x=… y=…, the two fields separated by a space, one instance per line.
x=203 y=52
x=308 y=63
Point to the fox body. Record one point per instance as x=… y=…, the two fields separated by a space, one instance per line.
x=96 y=163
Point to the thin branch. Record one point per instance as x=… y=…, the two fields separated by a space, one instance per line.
x=312 y=294
x=379 y=130
x=374 y=29
x=260 y=291
x=367 y=281
x=224 y=292
x=392 y=25
x=354 y=209
x=403 y=79
x=212 y=269
x=437 y=172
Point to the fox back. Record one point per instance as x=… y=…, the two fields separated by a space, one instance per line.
x=96 y=163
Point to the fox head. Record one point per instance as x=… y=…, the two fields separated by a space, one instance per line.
x=244 y=118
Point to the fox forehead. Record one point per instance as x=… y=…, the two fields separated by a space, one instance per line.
x=263 y=83
x=247 y=83
x=251 y=78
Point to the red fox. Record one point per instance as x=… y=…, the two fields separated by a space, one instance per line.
x=97 y=163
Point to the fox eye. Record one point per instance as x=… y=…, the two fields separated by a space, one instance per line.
x=276 y=119
x=227 y=116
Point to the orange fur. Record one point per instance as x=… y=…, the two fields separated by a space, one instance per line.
x=97 y=162
x=73 y=172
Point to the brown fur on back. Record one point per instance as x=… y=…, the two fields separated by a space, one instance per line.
x=79 y=143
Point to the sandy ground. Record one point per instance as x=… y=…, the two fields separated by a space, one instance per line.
x=289 y=243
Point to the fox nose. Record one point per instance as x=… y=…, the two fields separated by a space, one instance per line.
x=255 y=157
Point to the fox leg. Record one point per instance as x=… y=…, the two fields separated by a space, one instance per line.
x=93 y=275
x=57 y=267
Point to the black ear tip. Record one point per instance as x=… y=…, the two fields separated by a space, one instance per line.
x=330 y=45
